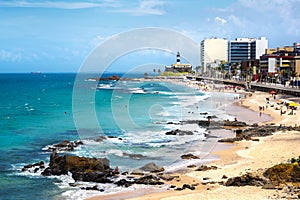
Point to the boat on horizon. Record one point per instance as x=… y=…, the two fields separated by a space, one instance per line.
x=36 y=72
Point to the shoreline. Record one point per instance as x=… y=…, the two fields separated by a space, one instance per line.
x=232 y=161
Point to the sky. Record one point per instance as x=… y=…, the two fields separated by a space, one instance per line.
x=58 y=36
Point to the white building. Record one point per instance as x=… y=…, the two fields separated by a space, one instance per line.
x=213 y=49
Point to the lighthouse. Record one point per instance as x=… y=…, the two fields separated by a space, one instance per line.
x=178 y=58
x=179 y=67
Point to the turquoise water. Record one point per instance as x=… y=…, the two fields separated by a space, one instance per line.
x=37 y=110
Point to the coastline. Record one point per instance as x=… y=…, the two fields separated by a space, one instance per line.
x=238 y=158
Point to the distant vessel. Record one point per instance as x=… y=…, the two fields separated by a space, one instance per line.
x=37 y=72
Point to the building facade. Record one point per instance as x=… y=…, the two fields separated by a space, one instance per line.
x=213 y=49
x=282 y=63
x=246 y=49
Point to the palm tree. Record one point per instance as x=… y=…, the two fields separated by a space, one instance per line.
x=158 y=71
x=293 y=75
x=154 y=71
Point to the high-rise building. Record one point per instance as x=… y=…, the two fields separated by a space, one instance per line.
x=213 y=49
x=246 y=49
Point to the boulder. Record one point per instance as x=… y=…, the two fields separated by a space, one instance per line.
x=247 y=179
x=205 y=168
x=189 y=156
x=167 y=177
x=149 y=180
x=152 y=167
x=124 y=183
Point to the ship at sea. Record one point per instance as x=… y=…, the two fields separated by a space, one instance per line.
x=36 y=72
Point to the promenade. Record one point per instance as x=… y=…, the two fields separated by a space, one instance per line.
x=265 y=87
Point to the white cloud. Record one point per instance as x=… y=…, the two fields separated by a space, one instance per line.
x=16 y=56
x=58 y=4
x=221 y=20
x=152 y=7
x=236 y=21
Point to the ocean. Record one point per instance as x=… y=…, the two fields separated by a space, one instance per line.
x=38 y=110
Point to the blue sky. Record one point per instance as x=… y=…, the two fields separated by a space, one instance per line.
x=57 y=36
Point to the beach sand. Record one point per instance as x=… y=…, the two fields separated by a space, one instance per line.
x=242 y=157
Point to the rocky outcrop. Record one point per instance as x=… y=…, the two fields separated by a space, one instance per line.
x=34 y=167
x=110 y=78
x=82 y=168
x=215 y=124
x=283 y=173
x=247 y=179
x=145 y=180
x=179 y=132
x=257 y=131
x=65 y=145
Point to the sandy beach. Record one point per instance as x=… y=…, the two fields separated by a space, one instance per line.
x=242 y=157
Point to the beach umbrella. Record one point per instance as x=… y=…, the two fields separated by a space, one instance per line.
x=293 y=104
x=273 y=92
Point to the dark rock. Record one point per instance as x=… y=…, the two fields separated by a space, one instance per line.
x=189 y=156
x=149 y=180
x=65 y=145
x=246 y=179
x=191 y=166
x=35 y=166
x=152 y=167
x=224 y=177
x=186 y=186
x=125 y=173
x=179 y=132
x=234 y=123
x=91 y=188
x=124 y=183
x=98 y=177
x=205 y=168
x=230 y=140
